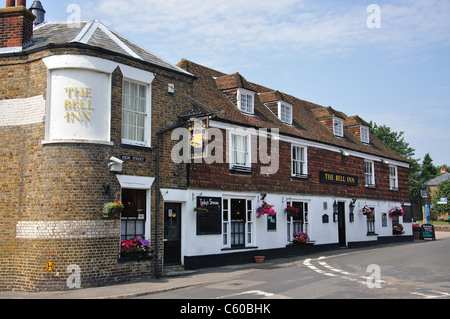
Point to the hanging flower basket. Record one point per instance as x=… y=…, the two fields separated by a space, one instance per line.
x=201 y=208
x=265 y=209
x=396 y=211
x=367 y=211
x=291 y=211
x=113 y=207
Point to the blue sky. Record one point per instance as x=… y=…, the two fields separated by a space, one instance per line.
x=397 y=73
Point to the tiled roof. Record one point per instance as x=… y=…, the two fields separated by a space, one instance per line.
x=211 y=89
x=95 y=34
x=438 y=180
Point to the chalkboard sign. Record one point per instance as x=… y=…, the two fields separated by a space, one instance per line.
x=209 y=222
x=427 y=231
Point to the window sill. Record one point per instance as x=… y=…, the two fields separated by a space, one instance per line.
x=240 y=248
x=395 y=189
x=371 y=186
x=372 y=234
x=240 y=169
x=300 y=176
x=139 y=147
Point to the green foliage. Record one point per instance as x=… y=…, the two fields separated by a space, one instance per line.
x=443 y=192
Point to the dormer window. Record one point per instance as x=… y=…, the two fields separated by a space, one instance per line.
x=365 y=134
x=246 y=101
x=285 y=112
x=338 y=127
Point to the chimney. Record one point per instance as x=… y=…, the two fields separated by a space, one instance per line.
x=16 y=24
x=443 y=171
x=38 y=10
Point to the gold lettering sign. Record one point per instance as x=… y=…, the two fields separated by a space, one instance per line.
x=326 y=177
x=78 y=104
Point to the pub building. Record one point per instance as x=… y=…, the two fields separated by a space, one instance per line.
x=326 y=176
x=80 y=110
x=89 y=123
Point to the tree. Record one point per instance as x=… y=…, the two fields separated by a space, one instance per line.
x=443 y=192
x=428 y=170
x=397 y=142
x=394 y=140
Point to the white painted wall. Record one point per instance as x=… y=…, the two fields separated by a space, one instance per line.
x=321 y=233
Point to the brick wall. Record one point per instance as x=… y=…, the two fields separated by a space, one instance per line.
x=16 y=27
x=47 y=189
x=218 y=177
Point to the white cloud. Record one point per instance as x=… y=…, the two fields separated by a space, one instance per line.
x=236 y=26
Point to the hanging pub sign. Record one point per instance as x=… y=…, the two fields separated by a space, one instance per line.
x=209 y=216
x=327 y=177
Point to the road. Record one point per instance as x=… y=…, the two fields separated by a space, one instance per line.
x=414 y=270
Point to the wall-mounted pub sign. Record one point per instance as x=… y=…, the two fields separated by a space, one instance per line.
x=209 y=222
x=327 y=177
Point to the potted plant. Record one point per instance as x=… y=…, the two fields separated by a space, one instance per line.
x=398 y=229
x=112 y=207
x=367 y=211
x=135 y=248
x=396 y=211
x=300 y=238
x=265 y=209
x=291 y=211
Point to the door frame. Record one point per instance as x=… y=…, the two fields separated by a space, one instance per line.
x=179 y=247
x=342 y=236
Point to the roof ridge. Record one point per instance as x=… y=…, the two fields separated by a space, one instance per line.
x=87 y=32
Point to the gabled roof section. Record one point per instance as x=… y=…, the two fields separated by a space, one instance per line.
x=272 y=96
x=327 y=112
x=213 y=90
x=93 y=34
x=233 y=81
x=355 y=121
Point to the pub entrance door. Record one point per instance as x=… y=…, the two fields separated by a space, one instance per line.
x=172 y=234
x=341 y=224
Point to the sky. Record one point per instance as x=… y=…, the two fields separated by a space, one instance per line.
x=386 y=61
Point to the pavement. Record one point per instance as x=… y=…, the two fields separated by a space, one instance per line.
x=172 y=281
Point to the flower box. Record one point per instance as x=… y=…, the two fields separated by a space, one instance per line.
x=135 y=249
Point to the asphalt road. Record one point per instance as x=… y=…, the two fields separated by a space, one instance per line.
x=415 y=270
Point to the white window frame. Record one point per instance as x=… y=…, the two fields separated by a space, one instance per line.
x=338 y=127
x=296 y=161
x=286 y=116
x=291 y=226
x=142 y=183
x=243 y=96
x=147 y=114
x=393 y=178
x=365 y=135
x=233 y=149
x=249 y=230
x=369 y=173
